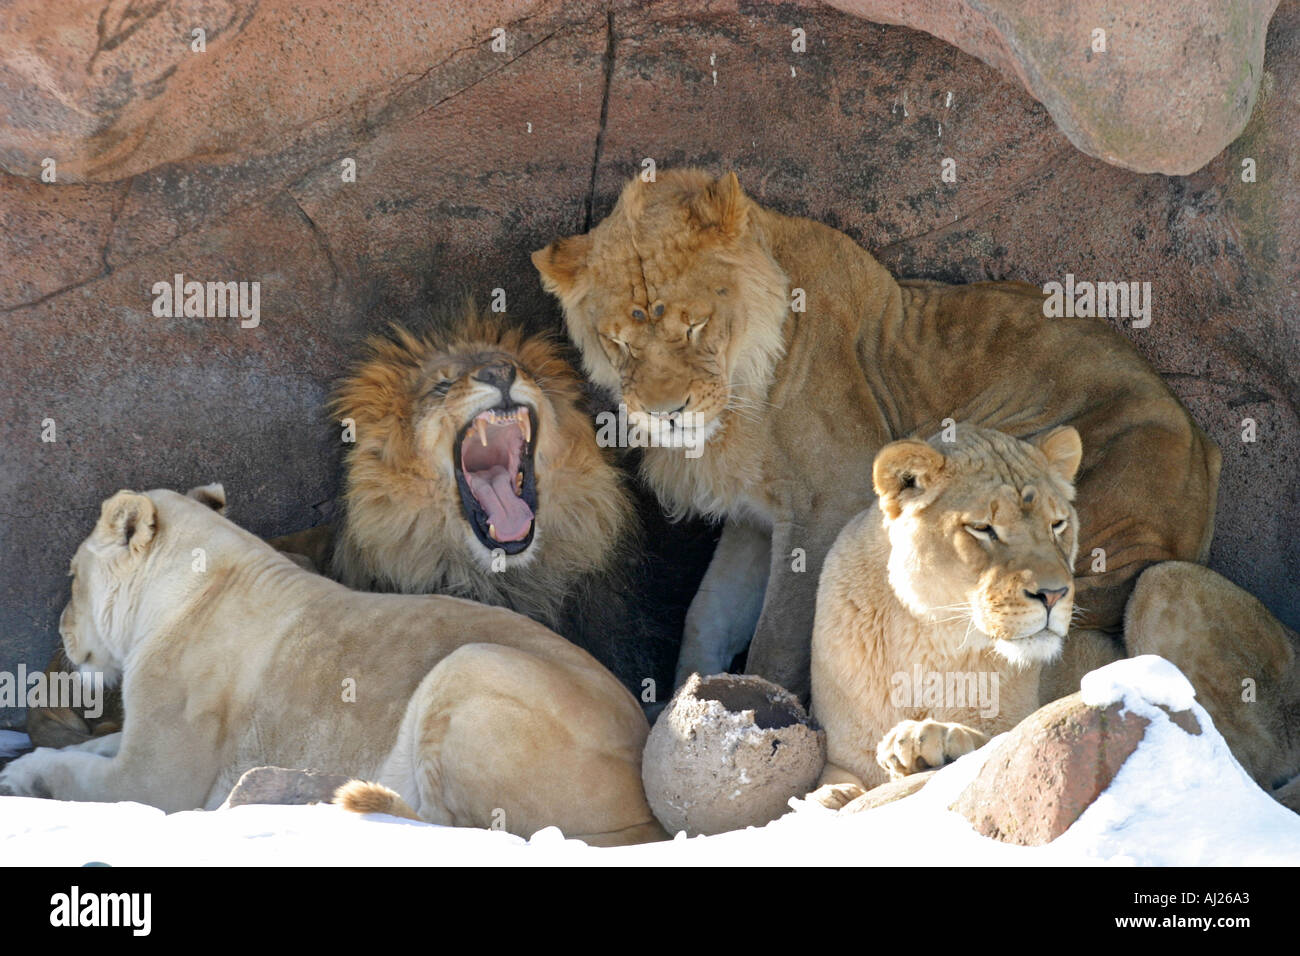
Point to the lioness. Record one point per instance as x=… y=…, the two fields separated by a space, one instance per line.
x=939 y=605
x=232 y=656
x=793 y=356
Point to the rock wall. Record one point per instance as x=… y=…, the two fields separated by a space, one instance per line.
x=229 y=165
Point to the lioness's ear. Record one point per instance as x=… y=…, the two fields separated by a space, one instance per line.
x=127 y=520
x=213 y=495
x=1064 y=450
x=562 y=263
x=721 y=206
x=903 y=468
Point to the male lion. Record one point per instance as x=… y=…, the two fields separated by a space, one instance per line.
x=938 y=607
x=476 y=473
x=468 y=712
x=794 y=357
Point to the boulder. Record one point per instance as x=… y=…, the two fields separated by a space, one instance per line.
x=1151 y=91
x=729 y=752
x=1050 y=768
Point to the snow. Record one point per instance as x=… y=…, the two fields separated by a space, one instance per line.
x=1138 y=682
x=1178 y=800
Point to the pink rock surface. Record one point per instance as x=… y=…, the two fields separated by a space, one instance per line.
x=1051 y=767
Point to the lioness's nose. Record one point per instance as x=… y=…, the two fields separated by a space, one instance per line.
x=1049 y=596
x=498 y=374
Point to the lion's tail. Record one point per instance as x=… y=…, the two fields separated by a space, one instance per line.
x=362 y=796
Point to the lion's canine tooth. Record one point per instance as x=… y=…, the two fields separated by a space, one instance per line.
x=526 y=426
x=492 y=531
x=519 y=482
x=481 y=427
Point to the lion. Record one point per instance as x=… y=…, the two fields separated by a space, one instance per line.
x=939 y=605
x=463 y=714
x=475 y=472
x=784 y=357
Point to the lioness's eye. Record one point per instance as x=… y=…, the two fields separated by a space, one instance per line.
x=984 y=532
x=1060 y=526
x=638 y=315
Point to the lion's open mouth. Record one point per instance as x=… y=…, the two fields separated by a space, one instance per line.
x=495 y=472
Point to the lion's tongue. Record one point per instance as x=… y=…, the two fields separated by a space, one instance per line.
x=508 y=514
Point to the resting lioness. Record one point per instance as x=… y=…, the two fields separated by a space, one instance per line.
x=938 y=606
x=232 y=656
x=792 y=357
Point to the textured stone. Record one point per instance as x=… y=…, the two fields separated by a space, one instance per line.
x=243 y=182
x=1170 y=90
x=284 y=787
x=1051 y=767
x=728 y=753
x=112 y=90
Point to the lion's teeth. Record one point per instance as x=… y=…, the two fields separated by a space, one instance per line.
x=526 y=426
x=481 y=427
x=492 y=530
x=519 y=482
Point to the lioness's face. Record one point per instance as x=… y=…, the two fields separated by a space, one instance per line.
x=479 y=416
x=984 y=533
x=676 y=304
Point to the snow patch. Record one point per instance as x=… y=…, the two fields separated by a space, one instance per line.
x=1179 y=800
x=1136 y=679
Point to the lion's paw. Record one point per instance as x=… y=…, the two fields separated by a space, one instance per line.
x=916 y=745
x=834 y=796
x=25 y=777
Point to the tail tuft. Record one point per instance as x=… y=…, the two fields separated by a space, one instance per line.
x=362 y=796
